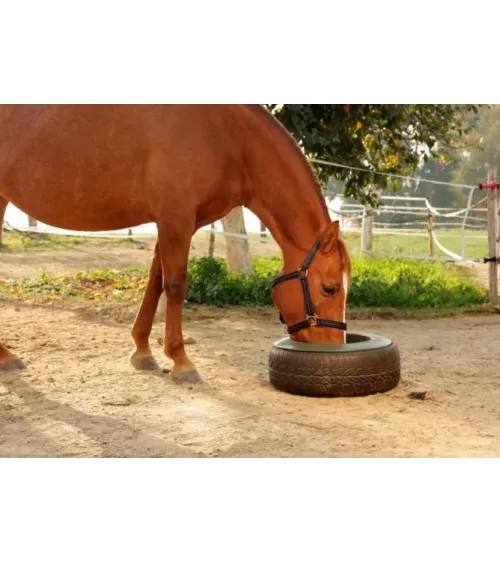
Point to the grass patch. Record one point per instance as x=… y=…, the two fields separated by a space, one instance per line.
x=476 y=243
x=25 y=242
x=386 y=282
x=377 y=283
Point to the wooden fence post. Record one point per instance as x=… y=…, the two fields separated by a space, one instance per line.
x=492 y=236
x=263 y=232
x=430 y=230
x=497 y=254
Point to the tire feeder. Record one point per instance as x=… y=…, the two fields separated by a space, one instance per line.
x=365 y=365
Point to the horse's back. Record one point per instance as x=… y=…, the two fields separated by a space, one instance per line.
x=90 y=166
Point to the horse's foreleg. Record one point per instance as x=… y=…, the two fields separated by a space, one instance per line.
x=9 y=361
x=142 y=358
x=3 y=207
x=174 y=253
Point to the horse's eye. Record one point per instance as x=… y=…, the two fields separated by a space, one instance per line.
x=329 y=290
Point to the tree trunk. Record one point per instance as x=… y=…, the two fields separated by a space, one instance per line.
x=3 y=207
x=367 y=230
x=211 y=241
x=238 y=254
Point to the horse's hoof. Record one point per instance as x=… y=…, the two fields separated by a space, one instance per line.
x=12 y=363
x=189 y=375
x=144 y=363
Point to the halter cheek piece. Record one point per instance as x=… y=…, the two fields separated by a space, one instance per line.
x=311 y=318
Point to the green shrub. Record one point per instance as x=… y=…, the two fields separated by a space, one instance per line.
x=376 y=282
x=411 y=284
x=210 y=283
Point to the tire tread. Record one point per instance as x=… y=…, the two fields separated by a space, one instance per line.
x=317 y=374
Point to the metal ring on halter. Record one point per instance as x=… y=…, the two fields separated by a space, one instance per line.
x=312 y=319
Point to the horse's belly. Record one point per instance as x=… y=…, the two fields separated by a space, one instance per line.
x=81 y=170
x=89 y=213
x=96 y=195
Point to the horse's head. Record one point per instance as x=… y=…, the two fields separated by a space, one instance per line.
x=312 y=303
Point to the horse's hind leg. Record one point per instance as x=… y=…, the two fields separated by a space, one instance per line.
x=9 y=361
x=142 y=358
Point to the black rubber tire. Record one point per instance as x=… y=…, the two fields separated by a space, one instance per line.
x=339 y=374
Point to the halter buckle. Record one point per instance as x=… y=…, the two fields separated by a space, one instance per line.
x=303 y=272
x=312 y=319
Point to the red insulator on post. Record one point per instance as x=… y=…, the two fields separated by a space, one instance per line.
x=488 y=186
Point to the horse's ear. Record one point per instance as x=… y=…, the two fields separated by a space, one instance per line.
x=330 y=237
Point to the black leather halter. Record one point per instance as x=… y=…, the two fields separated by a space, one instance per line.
x=311 y=318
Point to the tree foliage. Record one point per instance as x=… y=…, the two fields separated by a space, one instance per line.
x=485 y=148
x=442 y=171
x=390 y=138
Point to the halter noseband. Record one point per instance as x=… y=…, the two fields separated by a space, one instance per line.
x=311 y=318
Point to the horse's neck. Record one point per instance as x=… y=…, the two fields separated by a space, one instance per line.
x=284 y=196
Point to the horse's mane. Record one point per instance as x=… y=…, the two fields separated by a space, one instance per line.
x=343 y=250
x=346 y=258
x=294 y=146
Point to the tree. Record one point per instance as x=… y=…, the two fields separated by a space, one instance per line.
x=484 y=149
x=443 y=171
x=392 y=138
x=211 y=241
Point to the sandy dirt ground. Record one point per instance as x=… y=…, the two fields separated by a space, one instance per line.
x=80 y=397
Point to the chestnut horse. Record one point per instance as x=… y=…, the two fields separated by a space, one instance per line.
x=107 y=167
